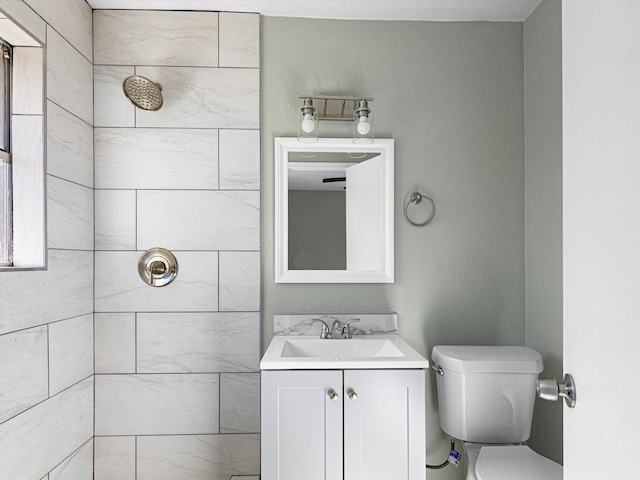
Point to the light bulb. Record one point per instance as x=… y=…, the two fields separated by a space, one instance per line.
x=363 y=125
x=308 y=124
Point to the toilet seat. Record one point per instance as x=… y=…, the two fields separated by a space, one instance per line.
x=515 y=461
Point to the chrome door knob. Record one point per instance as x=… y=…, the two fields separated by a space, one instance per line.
x=549 y=389
x=353 y=395
x=333 y=396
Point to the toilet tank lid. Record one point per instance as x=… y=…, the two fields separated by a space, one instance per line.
x=465 y=358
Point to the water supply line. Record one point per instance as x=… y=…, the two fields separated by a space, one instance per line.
x=454 y=457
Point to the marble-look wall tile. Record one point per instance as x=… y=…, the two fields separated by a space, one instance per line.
x=119 y=287
x=115 y=342
x=14 y=35
x=156 y=404
x=27 y=18
x=199 y=220
x=204 y=457
x=239 y=403
x=71 y=18
x=65 y=290
x=147 y=158
x=28 y=189
x=41 y=439
x=69 y=146
x=174 y=338
x=36 y=441
x=23 y=371
x=115 y=219
x=69 y=215
x=204 y=98
x=70 y=352
x=156 y=38
x=239 y=40
x=111 y=106
x=69 y=77
x=115 y=458
x=239 y=281
x=28 y=89
x=198 y=342
x=77 y=466
x=240 y=159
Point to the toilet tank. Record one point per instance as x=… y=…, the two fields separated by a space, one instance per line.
x=486 y=394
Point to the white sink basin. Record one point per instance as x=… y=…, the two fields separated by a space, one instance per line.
x=352 y=348
x=362 y=352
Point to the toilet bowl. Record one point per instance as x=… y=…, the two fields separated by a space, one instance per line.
x=486 y=397
x=508 y=462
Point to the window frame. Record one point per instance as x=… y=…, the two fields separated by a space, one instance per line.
x=27 y=139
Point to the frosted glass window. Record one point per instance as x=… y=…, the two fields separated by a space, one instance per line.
x=6 y=203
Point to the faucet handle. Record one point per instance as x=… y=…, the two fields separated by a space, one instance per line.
x=346 y=331
x=324 y=332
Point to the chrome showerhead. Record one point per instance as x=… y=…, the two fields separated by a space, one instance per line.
x=142 y=92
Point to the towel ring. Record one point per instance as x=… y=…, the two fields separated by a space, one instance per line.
x=417 y=198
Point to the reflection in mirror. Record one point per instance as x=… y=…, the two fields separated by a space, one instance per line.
x=317 y=209
x=338 y=221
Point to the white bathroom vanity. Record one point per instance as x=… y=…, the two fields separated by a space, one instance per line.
x=342 y=409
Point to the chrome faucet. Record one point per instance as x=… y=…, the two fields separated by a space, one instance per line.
x=324 y=332
x=337 y=330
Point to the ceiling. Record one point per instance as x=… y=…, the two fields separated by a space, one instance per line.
x=434 y=10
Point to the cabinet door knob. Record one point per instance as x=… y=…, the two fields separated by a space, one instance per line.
x=353 y=395
x=333 y=396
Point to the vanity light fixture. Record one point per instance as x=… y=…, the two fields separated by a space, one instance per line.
x=335 y=107
x=308 y=128
x=362 y=131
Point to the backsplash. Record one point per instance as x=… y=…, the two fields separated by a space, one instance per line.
x=369 y=324
x=177 y=382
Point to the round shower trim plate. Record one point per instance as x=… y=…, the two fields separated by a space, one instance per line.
x=158 y=267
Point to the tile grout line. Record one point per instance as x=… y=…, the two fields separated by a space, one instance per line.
x=218 y=254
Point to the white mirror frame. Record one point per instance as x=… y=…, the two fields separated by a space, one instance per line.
x=284 y=145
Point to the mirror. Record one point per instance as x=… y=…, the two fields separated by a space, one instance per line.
x=334 y=211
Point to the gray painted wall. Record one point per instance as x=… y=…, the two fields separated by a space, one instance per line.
x=543 y=210
x=451 y=95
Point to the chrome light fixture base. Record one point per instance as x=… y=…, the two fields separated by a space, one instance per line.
x=335 y=107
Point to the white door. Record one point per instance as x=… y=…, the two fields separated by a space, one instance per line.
x=601 y=209
x=384 y=418
x=301 y=434
x=365 y=215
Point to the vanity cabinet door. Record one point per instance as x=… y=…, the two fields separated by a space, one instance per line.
x=302 y=425
x=384 y=425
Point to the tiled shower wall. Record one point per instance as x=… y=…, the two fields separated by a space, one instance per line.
x=176 y=384
x=46 y=317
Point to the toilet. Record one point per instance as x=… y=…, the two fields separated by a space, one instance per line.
x=486 y=397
